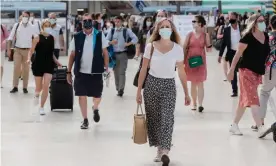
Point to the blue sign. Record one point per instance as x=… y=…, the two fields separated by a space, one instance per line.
x=140 y=5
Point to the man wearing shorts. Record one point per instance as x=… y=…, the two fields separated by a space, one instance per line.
x=88 y=53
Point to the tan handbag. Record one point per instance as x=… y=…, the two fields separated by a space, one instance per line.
x=140 y=135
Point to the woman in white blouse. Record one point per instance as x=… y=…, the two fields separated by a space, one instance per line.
x=162 y=54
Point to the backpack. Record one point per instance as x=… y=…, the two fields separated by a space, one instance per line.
x=131 y=50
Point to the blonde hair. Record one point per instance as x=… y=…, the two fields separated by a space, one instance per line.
x=252 y=21
x=155 y=35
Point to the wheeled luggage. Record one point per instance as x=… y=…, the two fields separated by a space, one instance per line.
x=61 y=93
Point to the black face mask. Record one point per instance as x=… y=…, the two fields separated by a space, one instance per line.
x=232 y=21
x=87 y=24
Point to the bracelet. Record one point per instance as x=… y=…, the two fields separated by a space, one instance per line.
x=68 y=72
x=210 y=46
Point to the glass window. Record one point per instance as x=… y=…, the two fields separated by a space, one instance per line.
x=37 y=13
x=60 y=13
x=7 y=14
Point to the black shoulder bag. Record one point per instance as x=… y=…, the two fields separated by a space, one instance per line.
x=136 y=78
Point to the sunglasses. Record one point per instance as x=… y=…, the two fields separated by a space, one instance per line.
x=194 y=21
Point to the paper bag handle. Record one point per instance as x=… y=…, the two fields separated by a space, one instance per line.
x=137 y=112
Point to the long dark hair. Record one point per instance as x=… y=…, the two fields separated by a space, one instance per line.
x=145 y=23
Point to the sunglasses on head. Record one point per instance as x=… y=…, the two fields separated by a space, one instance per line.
x=194 y=21
x=161 y=10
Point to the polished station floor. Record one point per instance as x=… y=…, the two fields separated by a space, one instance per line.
x=199 y=139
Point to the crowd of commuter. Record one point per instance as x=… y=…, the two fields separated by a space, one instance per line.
x=100 y=44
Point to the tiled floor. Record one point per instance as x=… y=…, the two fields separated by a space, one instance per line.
x=199 y=139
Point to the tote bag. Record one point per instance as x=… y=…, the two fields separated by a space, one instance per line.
x=140 y=135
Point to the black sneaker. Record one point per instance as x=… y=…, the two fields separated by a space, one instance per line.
x=166 y=160
x=120 y=93
x=200 y=109
x=96 y=116
x=25 y=90
x=234 y=95
x=273 y=128
x=14 y=90
x=85 y=124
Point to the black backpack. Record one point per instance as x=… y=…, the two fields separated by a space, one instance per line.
x=131 y=50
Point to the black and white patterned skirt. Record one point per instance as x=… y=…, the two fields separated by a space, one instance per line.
x=160 y=99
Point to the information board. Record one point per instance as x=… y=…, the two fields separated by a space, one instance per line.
x=183 y=24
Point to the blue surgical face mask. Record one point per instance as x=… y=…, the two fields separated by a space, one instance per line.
x=165 y=33
x=261 y=26
x=48 y=30
x=52 y=21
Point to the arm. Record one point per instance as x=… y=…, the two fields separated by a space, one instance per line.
x=144 y=69
x=54 y=57
x=11 y=37
x=185 y=46
x=241 y=48
x=71 y=55
x=105 y=44
x=223 y=44
x=208 y=43
x=133 y=37
x=31 y=51
x=61 y=39
x=183 y=77
x=106 y=58
x=219 y=35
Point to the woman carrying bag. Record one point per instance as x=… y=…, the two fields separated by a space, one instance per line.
x=195 y=60
x=162 y=54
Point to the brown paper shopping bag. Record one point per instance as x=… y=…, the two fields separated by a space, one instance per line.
x=140 y=135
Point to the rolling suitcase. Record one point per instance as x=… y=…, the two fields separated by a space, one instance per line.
x=61 y=93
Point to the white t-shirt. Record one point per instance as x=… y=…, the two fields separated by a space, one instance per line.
x=163 y=65
x=56 y=32
x=235 y=38
x=88 y=53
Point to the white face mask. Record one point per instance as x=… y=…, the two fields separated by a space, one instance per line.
x=52 y=21
x=31 y=19
x=25 y=20
x=148 y=23
x=195 y=25
x=125 y=23
x=48 y=30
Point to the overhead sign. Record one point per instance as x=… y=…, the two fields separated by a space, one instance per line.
x=140 y=5
x=183 y=24
x=274 y=6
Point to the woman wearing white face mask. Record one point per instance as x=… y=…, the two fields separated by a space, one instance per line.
x=195 y=60
x=142 y=36
x=253 y=50
x=156 y=18
x=162 y=54
x=44 y=62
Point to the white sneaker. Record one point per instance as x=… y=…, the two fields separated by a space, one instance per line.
x=261 y=131
x=158 y=156
x=41 y=111
x=235 y=130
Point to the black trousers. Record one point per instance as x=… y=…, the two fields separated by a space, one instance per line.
x=229 y=57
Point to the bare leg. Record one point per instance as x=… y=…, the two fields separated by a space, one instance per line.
x=194 y=94
x=96 y=102
x=38 y=86
x=200 y=93
x=239 y=114
x=47 y=79
x=256 y=115
x=2 y=72
x=83 y=106
x=225 y=67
